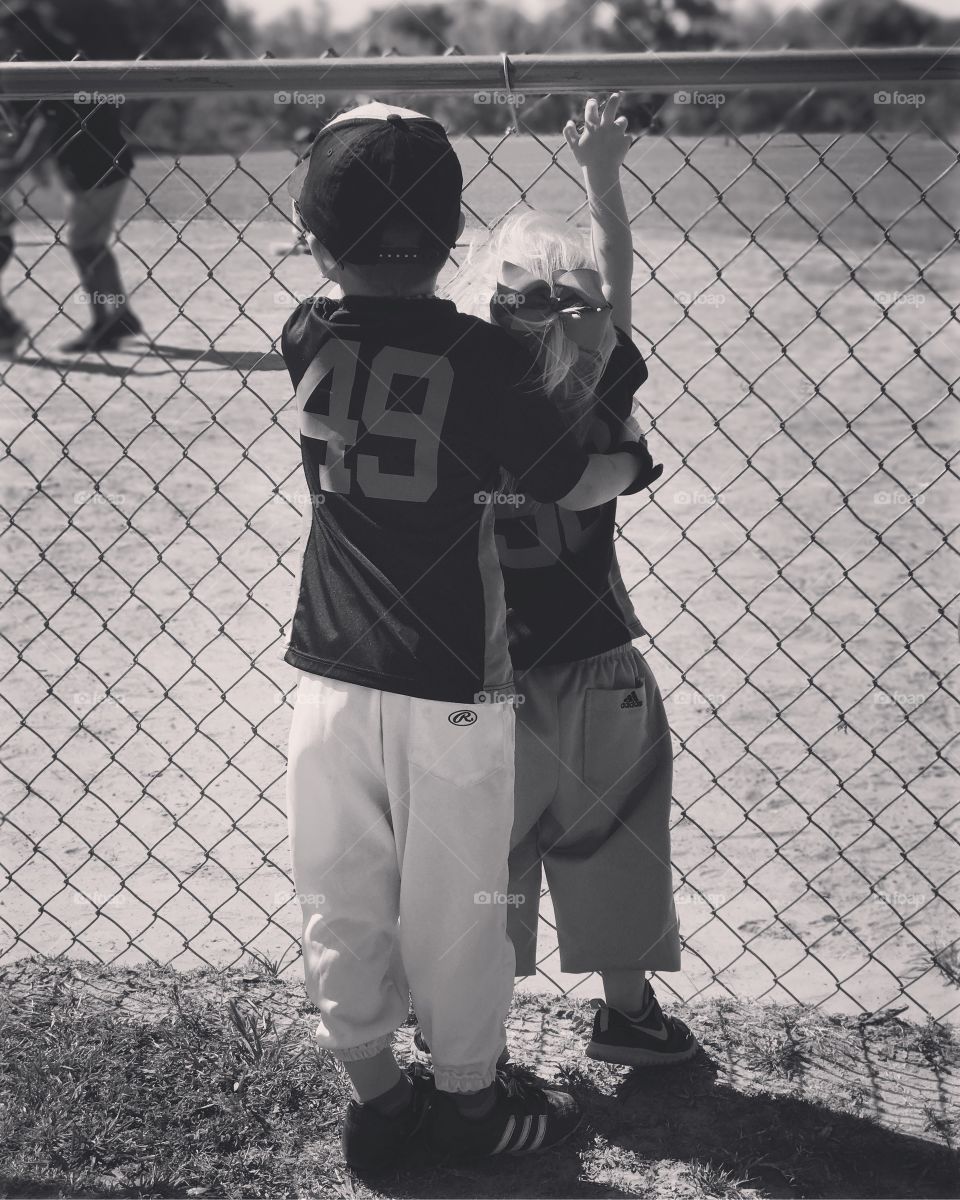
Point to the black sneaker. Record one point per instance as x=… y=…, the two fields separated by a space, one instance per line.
x=647 y=1040
x=422 y=1050
x=372 y=1141
x=105 y=335
x=525 y=1118
x=12 y=331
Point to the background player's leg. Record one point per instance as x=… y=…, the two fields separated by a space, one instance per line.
x=452 y=804
x=89 y=228
x=537 y=769
x=345 y=870
x=12 y=331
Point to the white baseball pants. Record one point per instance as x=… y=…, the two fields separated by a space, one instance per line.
x=400 y=824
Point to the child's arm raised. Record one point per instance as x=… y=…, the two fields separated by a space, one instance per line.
x=600 y=149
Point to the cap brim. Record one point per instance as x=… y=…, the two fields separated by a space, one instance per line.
x=298 y=177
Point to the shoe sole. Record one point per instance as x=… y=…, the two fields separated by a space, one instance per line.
x=636 y=1056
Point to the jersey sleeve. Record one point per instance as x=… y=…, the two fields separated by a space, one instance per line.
x=528 y=436
x=625 y=373
x=295 y=335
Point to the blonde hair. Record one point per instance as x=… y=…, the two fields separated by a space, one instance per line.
x=541 y=244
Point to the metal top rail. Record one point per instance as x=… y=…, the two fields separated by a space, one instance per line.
x=453 y=72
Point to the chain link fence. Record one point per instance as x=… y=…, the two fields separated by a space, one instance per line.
x=796 y=566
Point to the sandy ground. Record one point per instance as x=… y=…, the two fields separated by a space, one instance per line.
x=793 y=569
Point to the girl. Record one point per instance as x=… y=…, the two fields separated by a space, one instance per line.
x=594 y=756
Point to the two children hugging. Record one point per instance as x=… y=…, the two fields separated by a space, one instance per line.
x=409 y=796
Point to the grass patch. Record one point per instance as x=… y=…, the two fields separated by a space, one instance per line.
x=147 y=1082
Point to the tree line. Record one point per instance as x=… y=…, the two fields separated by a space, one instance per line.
x=105 y=29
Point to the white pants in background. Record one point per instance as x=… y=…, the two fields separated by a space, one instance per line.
x=400 y=824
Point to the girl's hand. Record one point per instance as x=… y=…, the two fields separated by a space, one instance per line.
x=604 y=141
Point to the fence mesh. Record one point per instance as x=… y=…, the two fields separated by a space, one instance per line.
x=795 y=297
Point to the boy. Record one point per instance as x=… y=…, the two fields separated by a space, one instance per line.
x=400 y=777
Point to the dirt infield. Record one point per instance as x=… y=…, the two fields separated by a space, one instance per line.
x=793 y=570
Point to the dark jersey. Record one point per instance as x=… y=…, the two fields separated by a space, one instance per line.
x=87 y=138
x=565 y=598
x=88 y=143
x=408 y=410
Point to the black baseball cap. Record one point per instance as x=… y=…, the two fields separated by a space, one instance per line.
x=381 y=185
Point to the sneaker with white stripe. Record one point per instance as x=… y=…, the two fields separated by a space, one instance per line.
x=525 y=1118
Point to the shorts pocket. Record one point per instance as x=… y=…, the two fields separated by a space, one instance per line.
x=460 y=743
x=618 y=749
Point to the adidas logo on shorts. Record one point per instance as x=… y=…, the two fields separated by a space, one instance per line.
x=632 y=701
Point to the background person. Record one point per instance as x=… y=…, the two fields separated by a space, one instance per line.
x=86 y=143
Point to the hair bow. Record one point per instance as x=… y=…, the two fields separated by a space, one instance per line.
x=522 y=297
